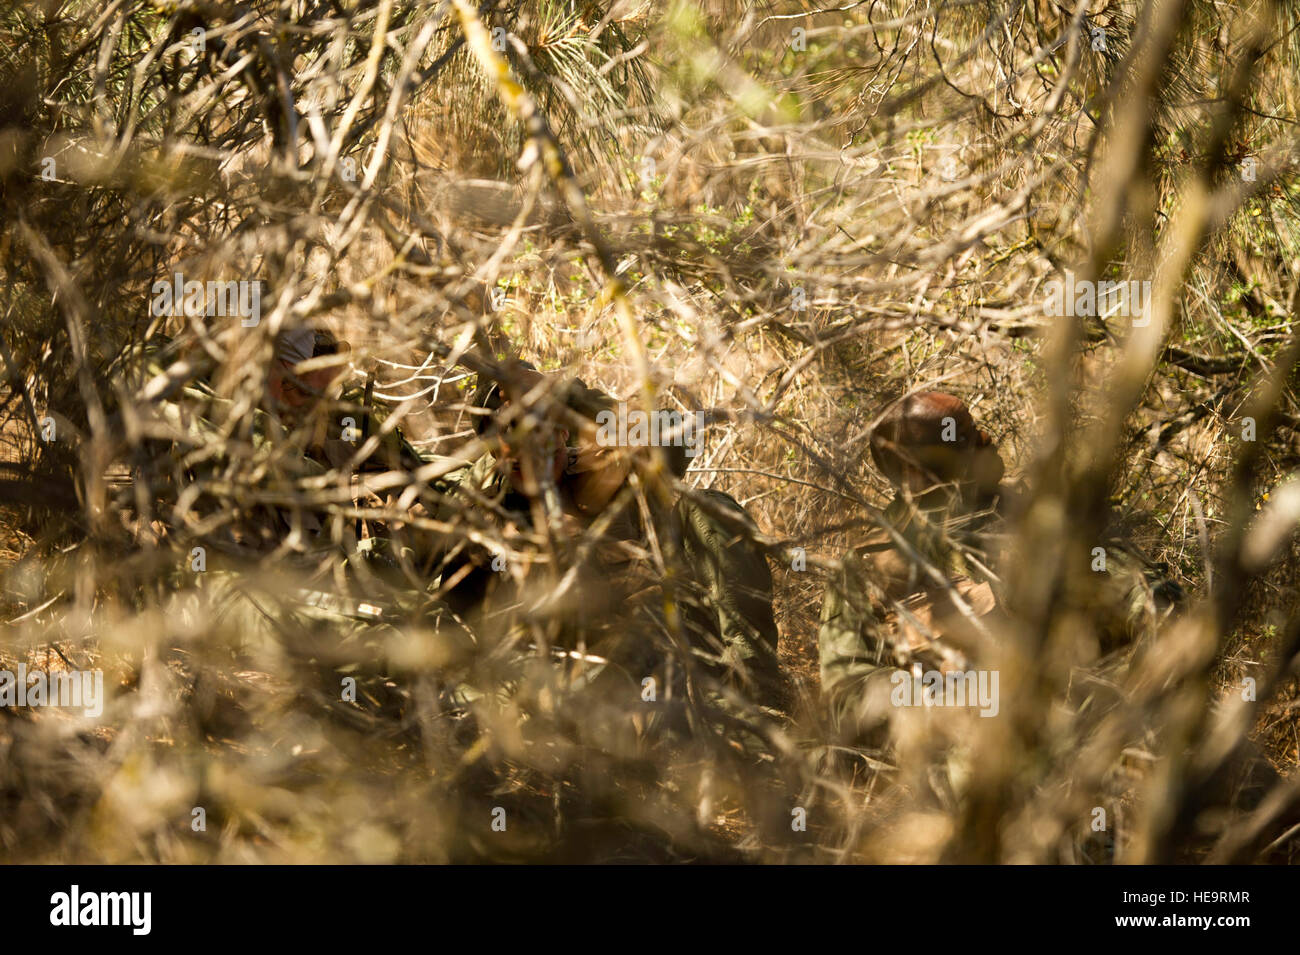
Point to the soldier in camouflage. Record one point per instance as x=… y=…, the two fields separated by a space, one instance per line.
x=537 y=478
x=548 y=472
x=916 y=593
x=256 y=490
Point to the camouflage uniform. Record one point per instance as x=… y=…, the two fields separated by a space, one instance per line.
x=883 y=612
x=193 y=441
x=193 y=428
x=864 y=638
x=732 y=599
x=723 y=591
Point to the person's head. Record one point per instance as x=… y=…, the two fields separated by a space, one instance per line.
x=529 y=426
x=929 y=441
x=293 y=392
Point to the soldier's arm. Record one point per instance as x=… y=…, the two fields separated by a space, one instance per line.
x=717 y=536
x=855 y=664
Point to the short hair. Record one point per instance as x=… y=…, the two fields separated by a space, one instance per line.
x=487 y=397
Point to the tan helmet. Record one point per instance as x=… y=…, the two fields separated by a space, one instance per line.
x=931 y=438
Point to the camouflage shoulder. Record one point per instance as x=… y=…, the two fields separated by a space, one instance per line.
x=396 y=451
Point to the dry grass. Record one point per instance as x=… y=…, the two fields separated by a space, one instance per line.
x=644 y=211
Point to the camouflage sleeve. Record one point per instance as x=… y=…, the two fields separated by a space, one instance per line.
x=1131 y=595
x=853 y=651
x=736 y=588
x=395 y=451
x=461 y=491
